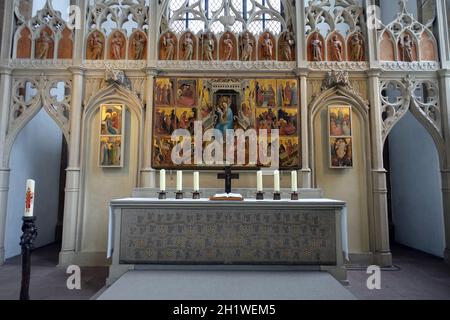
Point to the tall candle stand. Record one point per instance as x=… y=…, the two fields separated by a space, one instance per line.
x=26 y=242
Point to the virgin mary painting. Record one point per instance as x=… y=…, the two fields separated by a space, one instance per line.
x=225 y=116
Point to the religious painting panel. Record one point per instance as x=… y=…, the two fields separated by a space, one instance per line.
x=340 y=136
x=164 y=91
x=225 y=104
x=111 y=150
x=187 y=93
x=287 y=94
x=265 y=93
x=112 y=122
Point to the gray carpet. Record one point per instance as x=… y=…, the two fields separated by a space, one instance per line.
x=226 y=285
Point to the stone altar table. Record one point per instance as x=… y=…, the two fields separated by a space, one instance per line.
x=309 y=234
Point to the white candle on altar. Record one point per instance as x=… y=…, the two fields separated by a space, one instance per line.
x=276 y=181
x=179 y=180
x=29 y=198
x=294 y=181
x=196 y=181
x=162 y=180
x=259 y=181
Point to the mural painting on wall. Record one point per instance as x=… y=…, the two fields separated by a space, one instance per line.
x=340 y=137
x=225 y=104
x=111 y=136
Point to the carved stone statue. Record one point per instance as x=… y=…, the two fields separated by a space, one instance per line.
x=407 y=47
x=316 y=48
x=188 y=47
x=169 y=46
x=247 y=47
x=267 y=45
x=139 y=46
x=357 y=48
x=208 y=47
x=229 y=46
x=286 y=47
x=96 y=46
x=43 y=46
x=336 y=49
x=116 y=46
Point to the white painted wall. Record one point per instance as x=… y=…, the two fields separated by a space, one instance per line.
x=416 y=187
x=36 y=154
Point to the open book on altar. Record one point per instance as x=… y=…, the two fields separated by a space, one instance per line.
x=227 y=197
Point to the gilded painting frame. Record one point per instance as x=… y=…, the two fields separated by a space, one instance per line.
x=111 y=138
x=340 y=136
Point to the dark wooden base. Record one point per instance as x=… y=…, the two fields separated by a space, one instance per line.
x=277 y=196
x=162 y=196
x=196 y=195
x=179 y=195
x=294 y=196
x=260 y=196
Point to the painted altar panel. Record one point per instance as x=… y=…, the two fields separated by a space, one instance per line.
x=340 y=136
x=226 y=104
x=111 y=136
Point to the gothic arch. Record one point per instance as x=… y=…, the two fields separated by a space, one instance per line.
x=42 y=100
x=426 y=112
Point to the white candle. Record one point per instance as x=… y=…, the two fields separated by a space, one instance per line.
x=179 y=180
x=29 y=198
x=162 y=180
x=276 y=181
x=259 y=181
x=294 y=181
x=196 y=181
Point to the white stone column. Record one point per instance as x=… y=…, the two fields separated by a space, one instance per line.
x=306 y=168
x=445 y=109
x=443 y=36
x=5 y=102
x=72 y=191
x=147 y=179
x=379 y=222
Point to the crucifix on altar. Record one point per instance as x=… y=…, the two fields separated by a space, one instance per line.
x=228 y=176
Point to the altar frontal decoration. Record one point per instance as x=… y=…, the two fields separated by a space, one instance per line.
x=112 y=123
x=340 y=137
x=211 y=113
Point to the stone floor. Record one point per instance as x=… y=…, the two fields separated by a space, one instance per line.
x=417 y=276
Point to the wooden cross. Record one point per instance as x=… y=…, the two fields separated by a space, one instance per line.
x=228 y=177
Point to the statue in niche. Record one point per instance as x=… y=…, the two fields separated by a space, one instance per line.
x=407 y=47
x=286 y=47
x=336 y=49
x=116 y=46
x=208 y=47
x=188 y=47
x=228 y=42
x=169 y=46
x=44 y=43
x=96 y=46
x=139 y=46
x=247 y=48
x=267 y=45
x=357 y=48
x=316 y=47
